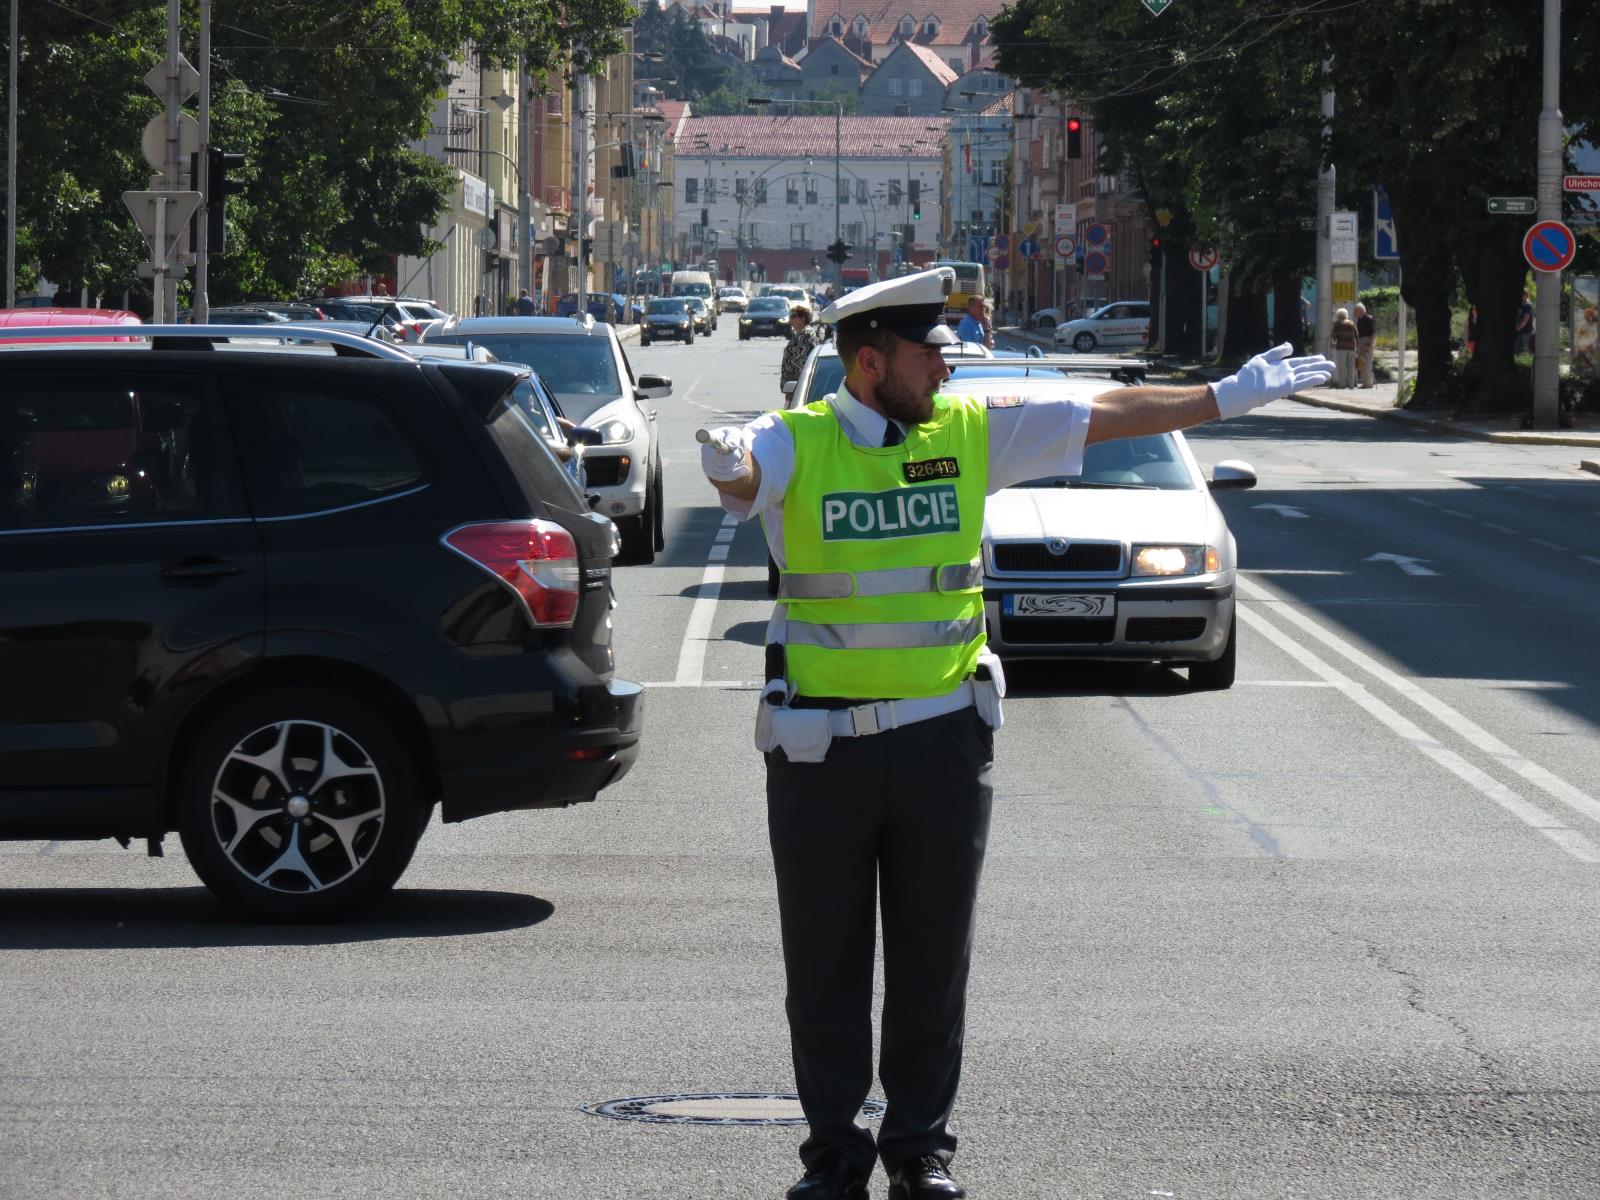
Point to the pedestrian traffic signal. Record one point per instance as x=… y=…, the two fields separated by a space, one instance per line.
x=1074 y=137
x=217 y=188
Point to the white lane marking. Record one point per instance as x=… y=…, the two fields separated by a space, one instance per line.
x=1284 y=510
x=1311 y=683
x=1499 y=528
x=1547 y=781
x=725 y=533
x=692 y=658
x=1589 y=558
x=1556 y=546
x=1550 y=545
x=727 y=685
x=1456 y=512
x=1411 y=566
x=1570 y=840
x=1291 y=571
x=1421 y=501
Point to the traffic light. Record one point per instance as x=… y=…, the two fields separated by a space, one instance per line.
x=1074 y=137
x=625 y=168
x=916 y=210
x=839 y=252
x=218 y=188
x=705 y=217
x=1155 y=247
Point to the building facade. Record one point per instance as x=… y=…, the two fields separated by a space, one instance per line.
x=752 y=191
x=910 y=81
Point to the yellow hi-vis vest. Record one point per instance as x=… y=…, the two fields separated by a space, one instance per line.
x=884 y=586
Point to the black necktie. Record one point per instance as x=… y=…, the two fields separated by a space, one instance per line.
x=892 y=436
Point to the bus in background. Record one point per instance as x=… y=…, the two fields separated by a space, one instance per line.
x=851 y=278
x=969 y=282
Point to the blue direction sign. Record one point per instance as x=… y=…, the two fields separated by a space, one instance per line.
x=1028 y=247
x=977 y=247
x=1549 y=246
x=1385 y=241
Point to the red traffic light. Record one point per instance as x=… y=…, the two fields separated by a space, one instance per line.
x=1074 y=124
x=1155 y=242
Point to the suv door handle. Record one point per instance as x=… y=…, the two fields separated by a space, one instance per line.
x=200 y=569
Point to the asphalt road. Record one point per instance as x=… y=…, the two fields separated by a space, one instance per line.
x=1328 y=934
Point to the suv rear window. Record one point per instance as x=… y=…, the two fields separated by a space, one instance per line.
x=315 y=447
x=83 y=451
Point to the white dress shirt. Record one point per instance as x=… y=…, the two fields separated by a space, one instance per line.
x=1043 y=436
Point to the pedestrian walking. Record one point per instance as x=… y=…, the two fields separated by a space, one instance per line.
x=1366 y=335
x=1344 y=339
x=976 y=325
x=1525 y=326
x=525 y=306
x=1472 y=330
x=881 y=700
x=803 y=339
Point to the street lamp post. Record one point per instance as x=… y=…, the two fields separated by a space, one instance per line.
x=838 y=133
x=523 y=207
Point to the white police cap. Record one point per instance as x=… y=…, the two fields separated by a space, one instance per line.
x=911 y=306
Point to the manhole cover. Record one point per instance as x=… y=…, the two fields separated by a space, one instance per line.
x=716 y=1108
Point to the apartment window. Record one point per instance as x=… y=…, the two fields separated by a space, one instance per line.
x=761 y=191
x=861 y=191
x=958 y=66
x=916 y=87
x=908 y=27
x=894 y=193
x=691 y=190
x=836 y=27
x=851 y=232
x=994 y=170
x=896 y=86
x=833 y=68
x=797 y=238
x=740 y=189
x=811 y=191
x=932 y=27
x=791 y=192
x=844 y=191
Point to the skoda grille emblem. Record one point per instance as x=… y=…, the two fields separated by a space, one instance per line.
x=1056 y=546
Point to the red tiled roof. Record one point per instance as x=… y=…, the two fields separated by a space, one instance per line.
x=942 y=70
x=784 y=136
x=883 y=17
x=676 y=113
x=1002 y=107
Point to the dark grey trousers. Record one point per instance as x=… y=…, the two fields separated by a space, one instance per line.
x=899 y=818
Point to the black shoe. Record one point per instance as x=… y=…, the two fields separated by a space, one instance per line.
x=923 y=1178
x=832 y=1179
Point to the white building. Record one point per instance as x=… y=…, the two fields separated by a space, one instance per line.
x=760 y=189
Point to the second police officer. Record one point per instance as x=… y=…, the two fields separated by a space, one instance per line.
x=878 y=717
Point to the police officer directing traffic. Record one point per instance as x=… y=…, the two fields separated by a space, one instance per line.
x=881 y=701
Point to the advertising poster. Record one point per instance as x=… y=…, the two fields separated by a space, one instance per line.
x=1586 y=325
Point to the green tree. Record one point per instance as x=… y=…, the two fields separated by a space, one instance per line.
x=322 y=104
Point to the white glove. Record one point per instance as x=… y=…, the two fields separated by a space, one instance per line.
x=726 y=466
x=1267 y=377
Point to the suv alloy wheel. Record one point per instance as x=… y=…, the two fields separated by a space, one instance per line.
x=299 y=804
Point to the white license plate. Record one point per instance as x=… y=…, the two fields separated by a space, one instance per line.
x=1058 y=604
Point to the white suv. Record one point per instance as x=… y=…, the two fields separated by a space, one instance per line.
x=582 y=363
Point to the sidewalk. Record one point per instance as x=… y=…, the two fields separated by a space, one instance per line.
x=1378 y=401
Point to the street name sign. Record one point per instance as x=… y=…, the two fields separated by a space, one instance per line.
x=1515 y=206
x=1203 y=258
x=1549 y=246
x=1581 y=183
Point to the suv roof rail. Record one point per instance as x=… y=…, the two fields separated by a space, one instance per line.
x=202 y=337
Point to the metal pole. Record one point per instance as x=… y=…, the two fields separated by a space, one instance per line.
x=202 y=232
x=166 y=291
x=1326 y=180
x=525 y=201
x=1547 y=329
x=1400 y=370
x=1205 y=278
x=11 y=167
x=580 y=187
x=838 y=135
x=1161 y=339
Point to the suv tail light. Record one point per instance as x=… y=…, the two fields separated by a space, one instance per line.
x=537 y=560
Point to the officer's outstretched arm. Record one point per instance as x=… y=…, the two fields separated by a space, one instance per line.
x=730 y=464
x=1136 y=412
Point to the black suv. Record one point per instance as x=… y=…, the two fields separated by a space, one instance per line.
x=282 y=601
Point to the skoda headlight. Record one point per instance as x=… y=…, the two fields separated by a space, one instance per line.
x=1174 y=560
x=615 y=432
x=685 y=319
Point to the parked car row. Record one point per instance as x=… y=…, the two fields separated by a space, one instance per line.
x=284 y=601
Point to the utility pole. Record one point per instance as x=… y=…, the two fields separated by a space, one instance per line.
x=11 y=167
x=580 y=186
x=166 y=274
x=1547 y=322
x=524 y=200
x=202 y=216
x=1326 y=180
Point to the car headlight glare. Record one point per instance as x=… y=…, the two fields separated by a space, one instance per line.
x=1174 y=560
x=615 y=432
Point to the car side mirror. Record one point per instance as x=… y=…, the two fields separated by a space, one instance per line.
x=652 y=387
x=1232 y=476
x=789 y=385
x=582 y=435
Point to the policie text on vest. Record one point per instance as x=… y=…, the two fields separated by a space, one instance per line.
x=898 y=512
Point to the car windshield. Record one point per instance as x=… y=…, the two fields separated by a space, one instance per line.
x=581 y=370
x=1151 y=463
x=772 y=304
x=668 y=305
x=827 y=373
